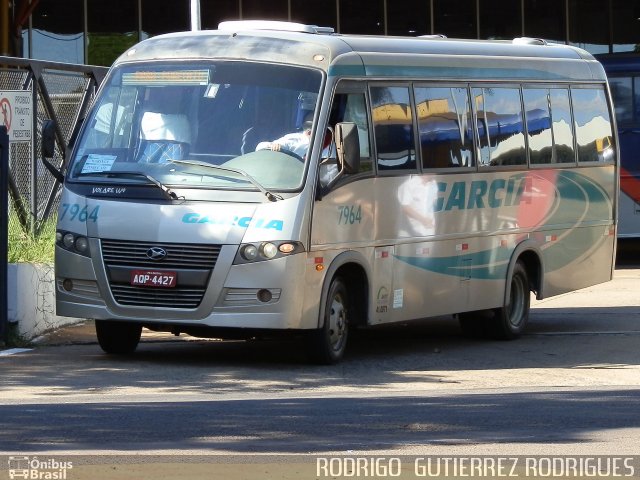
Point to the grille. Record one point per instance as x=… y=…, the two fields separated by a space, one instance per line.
x=119 y=254
x=157 y=297
x=179 y=255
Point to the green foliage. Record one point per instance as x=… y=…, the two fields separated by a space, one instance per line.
x=105 y=48
x=25 y=247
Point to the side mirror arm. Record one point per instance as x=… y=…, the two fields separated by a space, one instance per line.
x=48 y=148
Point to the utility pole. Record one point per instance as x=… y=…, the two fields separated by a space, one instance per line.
x=196 y=24
x=4 y=232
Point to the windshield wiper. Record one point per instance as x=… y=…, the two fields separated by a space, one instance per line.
x=168 y=193
x=273 y=197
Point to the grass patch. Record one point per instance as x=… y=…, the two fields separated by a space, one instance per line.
x=29 y=248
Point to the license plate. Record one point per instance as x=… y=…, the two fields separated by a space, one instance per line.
x=153 y=278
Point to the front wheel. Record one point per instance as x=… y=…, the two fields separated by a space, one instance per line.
x=329 y=342
x=118 y=337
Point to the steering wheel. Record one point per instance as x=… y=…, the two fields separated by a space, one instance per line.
x=291 y=154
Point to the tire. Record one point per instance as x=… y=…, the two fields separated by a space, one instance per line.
x=504 y=323
x=329 y=342
x=511 y=320
x=118 y=338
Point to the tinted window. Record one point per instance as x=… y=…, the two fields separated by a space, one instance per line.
x=593 y=125
x=444 y=119
x=500 y=126
x=636 y=98
x=536 y=107
x=562 y=131
x=622 y=93
x=393 y=127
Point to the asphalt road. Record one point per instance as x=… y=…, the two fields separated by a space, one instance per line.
x=571 y=385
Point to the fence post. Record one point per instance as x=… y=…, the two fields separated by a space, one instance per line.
x=4 y=232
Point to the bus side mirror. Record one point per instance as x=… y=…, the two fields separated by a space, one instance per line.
x=348 y=147
x=48 y=148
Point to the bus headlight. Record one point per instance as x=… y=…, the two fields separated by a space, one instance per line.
x=82 y=244
x=68 y=240
x=249 y=252
x=268 y=250
x=73 y=243
x=259 y=252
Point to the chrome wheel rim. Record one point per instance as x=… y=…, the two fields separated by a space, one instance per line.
x=337 y=322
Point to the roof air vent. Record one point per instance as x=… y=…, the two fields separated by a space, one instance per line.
x=436 y=35
x=236 y=25
x=529 y=41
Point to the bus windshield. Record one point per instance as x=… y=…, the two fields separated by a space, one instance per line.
x=249 y=122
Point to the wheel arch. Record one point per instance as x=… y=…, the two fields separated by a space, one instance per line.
x=352 y=267
x=531 y=257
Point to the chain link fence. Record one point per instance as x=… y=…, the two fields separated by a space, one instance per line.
x=63 y=93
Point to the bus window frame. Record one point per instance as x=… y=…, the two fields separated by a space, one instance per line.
x=500 y=168
x=604 y=87
x=341 y=87
x=374 y=147
x=346 y=86
x=549 y=87
x=474 y=154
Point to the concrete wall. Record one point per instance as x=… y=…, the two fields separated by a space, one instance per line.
x=31 y=300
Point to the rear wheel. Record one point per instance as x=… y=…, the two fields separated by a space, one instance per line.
x=118 y=337
x=329 y=342
x=504 y=323
x=510 y=320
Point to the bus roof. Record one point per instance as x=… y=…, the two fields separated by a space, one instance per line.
x=374 y=56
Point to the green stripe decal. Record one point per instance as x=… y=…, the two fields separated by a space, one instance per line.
x=576 y=198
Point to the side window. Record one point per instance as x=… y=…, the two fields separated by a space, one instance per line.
x=393 y=128
x=352 y=107
x=536 y=107
x=444 y=125
x=593 y=125
x=562 y=131
x=622 y=93
x=500 y=126
x=111 y=126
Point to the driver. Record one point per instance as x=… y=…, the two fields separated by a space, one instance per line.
x=297 y=142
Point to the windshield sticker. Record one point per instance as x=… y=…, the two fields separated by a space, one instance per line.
x=235 y=221
x=98 y=163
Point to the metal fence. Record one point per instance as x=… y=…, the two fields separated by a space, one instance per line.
x=61 y=92
x=29 y=194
